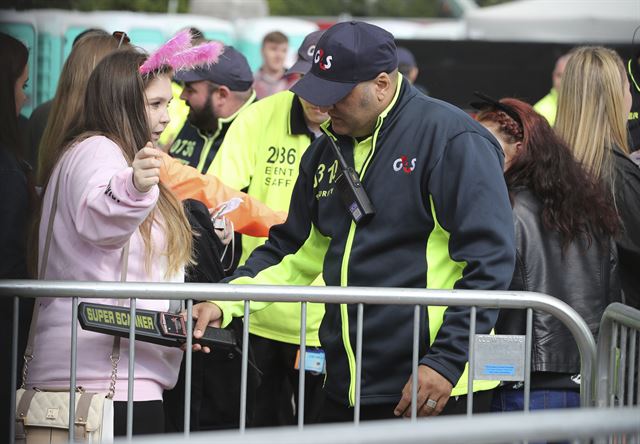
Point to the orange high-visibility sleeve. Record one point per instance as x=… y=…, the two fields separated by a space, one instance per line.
x=252 y=217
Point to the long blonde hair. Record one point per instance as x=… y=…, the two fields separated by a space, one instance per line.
x=67 y=106
x=114 y=106
x=591 y=109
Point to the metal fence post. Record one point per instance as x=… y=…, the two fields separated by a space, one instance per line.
x=631 y=375
x=14 y=367
x=414 y=363
x=301 y=365
x=617 y=319
x=472 y=352
x=132 y=362
x=528 y=338
x=622 y=364
x=356 y=410
x=244 y=370
x=74 y=362
x=188 y=366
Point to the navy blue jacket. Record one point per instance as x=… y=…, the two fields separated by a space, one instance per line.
x=443 y=220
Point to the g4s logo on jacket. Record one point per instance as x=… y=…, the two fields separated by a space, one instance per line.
x=324 y=65
x=404 y=164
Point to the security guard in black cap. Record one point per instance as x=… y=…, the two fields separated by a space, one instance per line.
x=215 y=95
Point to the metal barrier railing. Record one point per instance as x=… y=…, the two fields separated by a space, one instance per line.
x=548 y=426
x=333 y=295
x=618 y=353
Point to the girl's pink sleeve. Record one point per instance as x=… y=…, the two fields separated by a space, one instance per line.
x=106 y=207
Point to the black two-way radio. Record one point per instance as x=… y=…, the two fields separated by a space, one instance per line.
x=351 y=191
x=151 y=326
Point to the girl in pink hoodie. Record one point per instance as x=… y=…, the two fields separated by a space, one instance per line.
x=109 y=196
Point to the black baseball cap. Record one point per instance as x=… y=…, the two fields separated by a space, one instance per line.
x=347 y=54
x=305 y=53
x=232 y=71
x=405 y=57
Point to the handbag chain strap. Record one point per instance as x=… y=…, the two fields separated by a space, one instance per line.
x=115 y=351
x=28 y=353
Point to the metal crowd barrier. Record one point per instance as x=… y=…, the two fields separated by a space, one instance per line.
x=333 y=295
x=563 y=425
x=618 y=357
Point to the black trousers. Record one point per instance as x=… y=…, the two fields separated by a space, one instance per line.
x=148 y=418
x=277 y=394
x=333 y=411
x=215 y=392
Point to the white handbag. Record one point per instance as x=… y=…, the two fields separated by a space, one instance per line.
x=42 y=415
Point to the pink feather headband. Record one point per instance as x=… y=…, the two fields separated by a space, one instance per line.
x=180 y=55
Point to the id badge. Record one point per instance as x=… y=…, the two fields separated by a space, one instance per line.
x=314 y=361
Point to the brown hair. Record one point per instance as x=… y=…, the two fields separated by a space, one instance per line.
x=14 y=56
x=574 y=203
x=275 y=37
x=114 y=106
x=68 y=103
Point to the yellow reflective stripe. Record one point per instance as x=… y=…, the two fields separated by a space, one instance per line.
x=344 y=270
x=442 y=273
x=205 y=150
x=389 y=107
x=344 y=315
x=301 y=267
x=631 y=75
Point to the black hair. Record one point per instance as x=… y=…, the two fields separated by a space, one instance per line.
x=14 y=56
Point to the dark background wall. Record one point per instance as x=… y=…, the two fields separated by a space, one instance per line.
x=452 y=70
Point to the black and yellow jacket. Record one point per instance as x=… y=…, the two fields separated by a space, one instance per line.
x=261 y=154
x=443 y=220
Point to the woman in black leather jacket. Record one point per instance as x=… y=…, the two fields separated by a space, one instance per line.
x=564 y=229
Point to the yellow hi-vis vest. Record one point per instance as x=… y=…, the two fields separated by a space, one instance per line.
x=261 y=153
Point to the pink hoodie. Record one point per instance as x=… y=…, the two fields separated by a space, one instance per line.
x=99 y=209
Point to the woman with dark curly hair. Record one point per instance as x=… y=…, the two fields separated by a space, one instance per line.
x=564 y=224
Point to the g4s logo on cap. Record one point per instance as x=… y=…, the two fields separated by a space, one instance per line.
x=311 y=50
x=323 y=64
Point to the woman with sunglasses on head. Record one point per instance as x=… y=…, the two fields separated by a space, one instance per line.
x=82 y=58
x=111 y=220
x=594 y=101
x=564 y=225
x=86 y=53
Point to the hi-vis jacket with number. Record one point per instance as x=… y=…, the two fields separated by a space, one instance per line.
x=261 y=153
x=443 y=220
